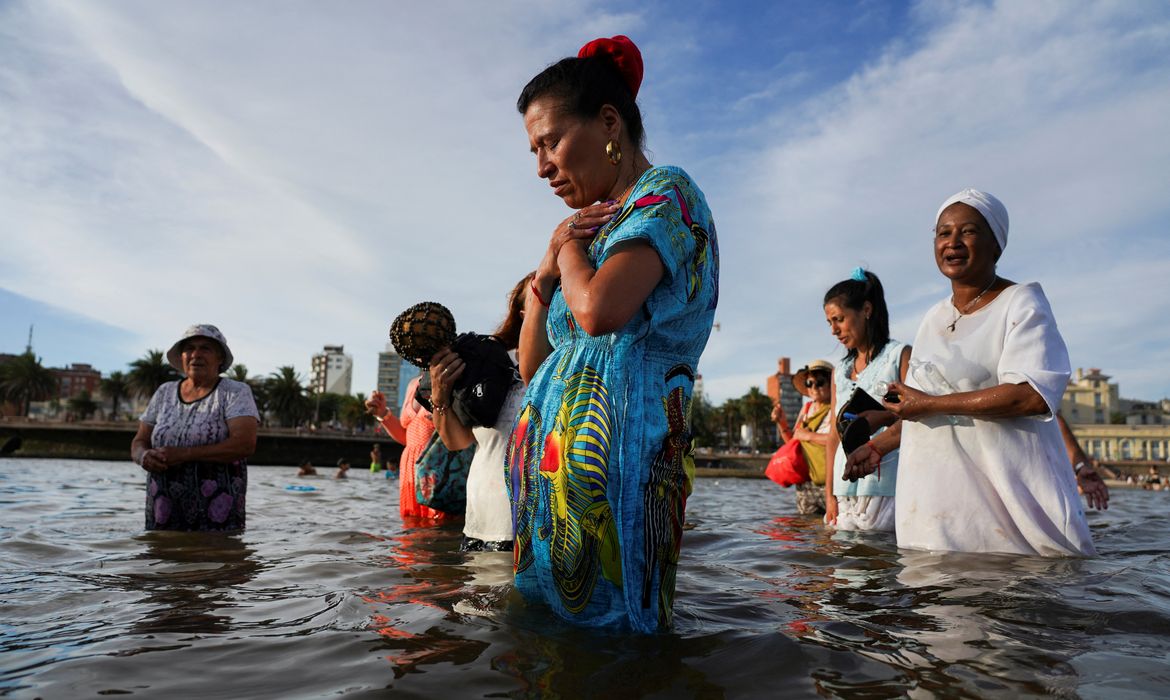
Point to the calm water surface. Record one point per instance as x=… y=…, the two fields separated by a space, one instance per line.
x=328 y=594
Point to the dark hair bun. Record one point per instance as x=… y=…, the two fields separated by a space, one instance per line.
x=421 y=331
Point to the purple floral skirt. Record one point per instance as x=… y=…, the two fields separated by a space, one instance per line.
x=197 y=496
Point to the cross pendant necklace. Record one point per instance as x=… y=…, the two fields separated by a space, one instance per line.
x=967 y=307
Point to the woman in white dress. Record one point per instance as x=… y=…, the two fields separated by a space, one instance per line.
x=487 y=524
x=856 y=312
x=983 y=467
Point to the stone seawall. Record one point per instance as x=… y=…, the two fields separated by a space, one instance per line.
x=111 y=441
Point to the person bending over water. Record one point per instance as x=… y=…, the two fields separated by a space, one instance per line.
x=859 y=319
x=487 y=524
x=600 y=462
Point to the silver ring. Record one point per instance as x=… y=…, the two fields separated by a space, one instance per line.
x=572 y=225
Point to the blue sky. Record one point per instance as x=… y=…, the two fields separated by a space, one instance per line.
x=298 y=173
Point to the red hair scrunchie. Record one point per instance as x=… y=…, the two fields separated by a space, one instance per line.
x=624 y=54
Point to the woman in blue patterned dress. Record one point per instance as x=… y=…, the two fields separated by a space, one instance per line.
x=599 y=463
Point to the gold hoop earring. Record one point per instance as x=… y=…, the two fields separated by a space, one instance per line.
x=613 y=150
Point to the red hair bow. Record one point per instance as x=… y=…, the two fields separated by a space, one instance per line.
x=624 y=54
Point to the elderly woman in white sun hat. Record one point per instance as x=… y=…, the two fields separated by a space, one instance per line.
x=194 y=438
x=983 y=466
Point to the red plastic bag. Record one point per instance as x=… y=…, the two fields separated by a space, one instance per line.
x=787 y=466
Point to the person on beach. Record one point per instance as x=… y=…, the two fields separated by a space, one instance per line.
x=983 y=466
x=195 y=437
x=487 y=524
x=600 y=462
x=413 y=429
x=859 y=319
x=813 y=424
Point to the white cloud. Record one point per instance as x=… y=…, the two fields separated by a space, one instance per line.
x=299 y=173
x=1055 y=107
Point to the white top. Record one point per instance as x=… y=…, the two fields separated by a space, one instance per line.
x=1002 y=485
x=178 y=423
x=489 y=512
x=881 y=370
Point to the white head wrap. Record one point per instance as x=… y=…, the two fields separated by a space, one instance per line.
x=993 y=211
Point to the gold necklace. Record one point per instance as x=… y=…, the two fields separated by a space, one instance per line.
x=637 y=176
x=967 y=307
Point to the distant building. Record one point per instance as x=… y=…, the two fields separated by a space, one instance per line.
x=77 y=379
x=780 y=390
x=1124 y=442
x=332 y=371
x=394 y=373
x=1090 y=398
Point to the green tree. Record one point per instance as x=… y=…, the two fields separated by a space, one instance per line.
x=149 y=372
x=23 y=379
x=756 y=411
x=258 y=385
x=286 y=397
x=326 y=406
x=115 y=387
x=82 y=406
x=729 y=416
x=353 y=412
x=704 y=421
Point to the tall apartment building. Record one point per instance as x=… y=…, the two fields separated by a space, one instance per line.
x=394 y=373
x=332 y=371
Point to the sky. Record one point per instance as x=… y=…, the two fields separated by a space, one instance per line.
x=298 y=173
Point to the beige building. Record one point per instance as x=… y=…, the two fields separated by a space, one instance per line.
x=1090 y=398
x=1123 y=443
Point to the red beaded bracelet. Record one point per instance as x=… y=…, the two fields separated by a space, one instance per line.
x=538 y=297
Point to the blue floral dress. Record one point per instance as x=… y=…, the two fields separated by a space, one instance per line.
x=600 y=459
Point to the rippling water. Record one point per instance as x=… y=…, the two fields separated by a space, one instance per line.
x=327 y=594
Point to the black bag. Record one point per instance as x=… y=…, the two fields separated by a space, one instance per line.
x=854 y=430
x=488 y=375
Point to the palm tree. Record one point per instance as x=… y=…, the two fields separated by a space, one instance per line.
x=23 y=379
x=757 y=408
x=286 y=396
x=82 y=405
x=353 y=411
x=259 y=386
x=115 y=388
x=150 y=372
x=731 y=412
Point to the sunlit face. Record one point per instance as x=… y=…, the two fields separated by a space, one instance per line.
x=965 y=249
x=201 y=357
x=817 y=385
x=848 y=325
x=570 y=152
